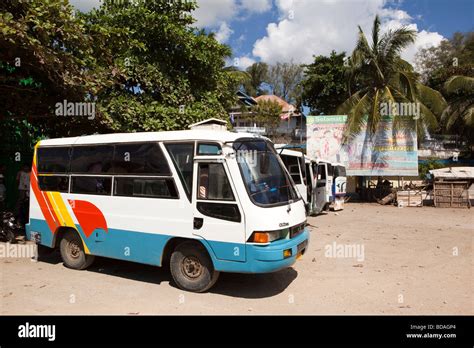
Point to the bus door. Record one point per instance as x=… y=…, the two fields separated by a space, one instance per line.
x=321 y=182
x=218 y=216
x=295 y=169
x=309 y=186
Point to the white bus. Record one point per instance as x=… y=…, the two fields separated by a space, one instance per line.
x=302 y=170
x=201 y=201
x=339 y=185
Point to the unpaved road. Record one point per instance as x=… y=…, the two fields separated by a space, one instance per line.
x=416 y=261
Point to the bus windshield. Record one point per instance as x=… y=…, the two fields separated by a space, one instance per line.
x=264 y=176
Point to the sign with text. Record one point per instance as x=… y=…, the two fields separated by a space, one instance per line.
x=391 y=151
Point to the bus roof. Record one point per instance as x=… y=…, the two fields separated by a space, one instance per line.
x=208 y=135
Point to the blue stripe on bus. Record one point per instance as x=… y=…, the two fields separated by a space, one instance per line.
x=147 y=248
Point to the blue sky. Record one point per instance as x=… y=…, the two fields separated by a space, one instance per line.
x=442 y=16
x=295 y=30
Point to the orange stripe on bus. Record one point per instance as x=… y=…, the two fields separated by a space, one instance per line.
x=47 y=213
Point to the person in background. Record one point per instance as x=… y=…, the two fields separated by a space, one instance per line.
x=3 y=192
x=23 y=180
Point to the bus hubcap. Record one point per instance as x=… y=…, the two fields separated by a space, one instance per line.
x=191 y=267
x=74 y=250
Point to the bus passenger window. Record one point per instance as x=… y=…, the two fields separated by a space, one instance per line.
x=213 y=183
x=53 y=159
x=293 y=166
x=142 y=158
x=145 y=187
x=92 y=185
x=94 y=159
x=55 y=183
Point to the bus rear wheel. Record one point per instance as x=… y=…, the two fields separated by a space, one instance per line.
x=192 y=268
x=72 y=252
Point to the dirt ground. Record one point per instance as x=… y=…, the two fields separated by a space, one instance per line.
x=415 y=261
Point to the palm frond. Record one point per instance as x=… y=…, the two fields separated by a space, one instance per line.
x=432 y=98
x=459 y=83
x=375 y=33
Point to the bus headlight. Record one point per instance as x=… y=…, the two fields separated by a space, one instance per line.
x=267 y=237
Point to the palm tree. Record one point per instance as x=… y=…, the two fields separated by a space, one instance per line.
x=461 y=106
x=240 y=76
x=382 y=77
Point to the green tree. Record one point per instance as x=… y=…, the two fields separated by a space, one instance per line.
x=449 y=68
x=45 y=56
x=324 y=86
x=460 y=111
x=381 y=77
x=258 y=73
x=267 y=113
x=173 y=74
x=285 y=79
x=143 y=63
x=451 y=57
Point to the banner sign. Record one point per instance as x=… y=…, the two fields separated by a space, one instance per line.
x=390 y=152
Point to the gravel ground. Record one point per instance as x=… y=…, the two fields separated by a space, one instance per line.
x=409 y=261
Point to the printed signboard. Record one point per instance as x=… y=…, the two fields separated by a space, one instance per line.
x=390 y=152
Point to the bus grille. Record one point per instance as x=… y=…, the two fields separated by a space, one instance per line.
x=297 y=230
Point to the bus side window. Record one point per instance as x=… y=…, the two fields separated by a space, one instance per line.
x=92 y=159
x=55 y=183
x=213 y=185
x=213 y=182
x=53 y=159
x=182 y=155
x=321 y=175
x=293 y=166
x=140 y=158
x=91 y=185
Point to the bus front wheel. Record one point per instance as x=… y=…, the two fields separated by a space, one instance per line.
x=72 y=251
x=192 y=268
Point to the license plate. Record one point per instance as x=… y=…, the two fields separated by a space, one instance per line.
x=300 y=248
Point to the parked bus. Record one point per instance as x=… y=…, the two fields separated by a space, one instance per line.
x=302 y=170
x=339 y=185
x=324 y=180
x=203 y=202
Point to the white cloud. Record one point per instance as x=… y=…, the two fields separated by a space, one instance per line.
x=245 y=62
x=425 y=39
x=224 y=32
x=308 y=27
x=256 y=6
x=242 y=62
x=85 y=5
x=212 y=13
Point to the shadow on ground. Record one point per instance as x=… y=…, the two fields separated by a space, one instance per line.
x=251 y=286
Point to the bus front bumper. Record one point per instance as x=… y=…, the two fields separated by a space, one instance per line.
x=267 y=258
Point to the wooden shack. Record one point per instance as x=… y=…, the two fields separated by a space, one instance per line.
x=453 y=187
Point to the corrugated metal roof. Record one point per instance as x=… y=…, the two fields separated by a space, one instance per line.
x=454 y=172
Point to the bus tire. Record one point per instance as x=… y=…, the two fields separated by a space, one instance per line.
x=72 y=252
x=192 y=268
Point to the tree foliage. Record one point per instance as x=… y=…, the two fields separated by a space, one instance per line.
x=267 y=113
x=378 y=75
x=449 y=68
x=143 y=63
x=257 y=73
x=46 y=56
x=285 y=79
x=324 y=86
